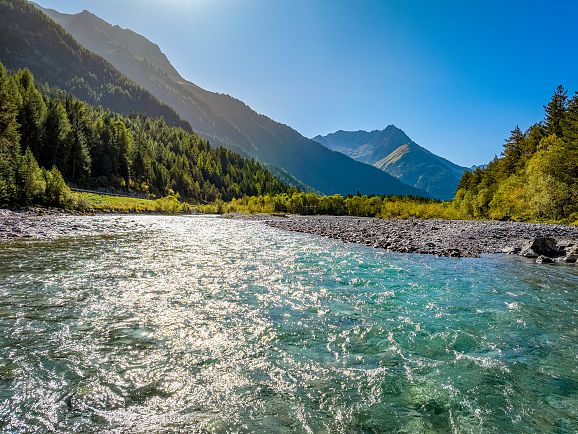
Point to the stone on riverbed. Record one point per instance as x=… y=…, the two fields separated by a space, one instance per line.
x=511 y=250
x=541 y=246
x=544 y=260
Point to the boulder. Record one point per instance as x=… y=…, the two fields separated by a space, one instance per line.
x=541 y=246
x=511 y=250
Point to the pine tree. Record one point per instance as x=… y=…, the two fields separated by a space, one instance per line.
x=10 y=102
x=513 y=149
x=555 y=112
x=30 y=182
x=32 y=112
x=79 y=155
x=570 y=122
x=56 y=137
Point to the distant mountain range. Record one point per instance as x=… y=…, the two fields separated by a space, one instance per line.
x=392 y=151
x=225 y=120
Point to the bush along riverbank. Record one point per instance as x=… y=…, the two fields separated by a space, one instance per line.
x=385 y=207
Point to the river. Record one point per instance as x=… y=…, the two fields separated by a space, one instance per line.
x=204 y=324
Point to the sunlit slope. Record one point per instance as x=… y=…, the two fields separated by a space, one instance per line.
x=392 y=151
x=225 y=120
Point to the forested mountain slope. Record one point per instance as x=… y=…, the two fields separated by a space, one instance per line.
x=30 y=39
x=392 y=151
x=93 y=147
x=225 y=120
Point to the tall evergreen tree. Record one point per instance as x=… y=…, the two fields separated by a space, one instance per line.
x=513 y=149
x=32 y=112
x=570 y=122
x=80 y=131
x=555 y=112
x=56 y=137
x=29 y=180
x=10 y=102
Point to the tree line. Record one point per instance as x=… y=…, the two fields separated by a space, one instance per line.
x=48 y=138
x=534 y=179
x=536 y=176
x=359 y=205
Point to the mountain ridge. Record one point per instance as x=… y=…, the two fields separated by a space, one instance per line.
x=392 y=151
x=227 y=121
x=34 y=41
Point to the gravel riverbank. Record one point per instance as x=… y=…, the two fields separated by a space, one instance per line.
x=457 y=238
x=51 y=223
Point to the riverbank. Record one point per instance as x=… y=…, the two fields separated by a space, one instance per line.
x=453 y=238
x=38 y=223
x=106 y=203
x=456 y=238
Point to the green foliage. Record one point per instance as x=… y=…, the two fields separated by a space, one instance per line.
x=556 y=112
x=537 y=176
x=122 y=204
x=32 y=111
x=407 y=208
x=360 y=206
x=29 y=179
x=10 y=103
x=552 y=181
x=94 y=148
x=55 y=147
x=57 y=192
x=78 y=161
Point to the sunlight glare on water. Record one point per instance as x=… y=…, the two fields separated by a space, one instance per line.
x=202 y=324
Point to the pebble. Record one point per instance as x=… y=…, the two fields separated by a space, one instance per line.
x=455 y=238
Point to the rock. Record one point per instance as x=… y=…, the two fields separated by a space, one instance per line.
x=511 y=250
x=541 y=246
x=528 y=253
x=544 y=260
x=453 y=253
x=570 y=259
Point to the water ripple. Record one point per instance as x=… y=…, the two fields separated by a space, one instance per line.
x=199 y=324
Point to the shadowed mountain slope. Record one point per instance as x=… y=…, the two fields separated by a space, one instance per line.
x=225 y=120
x=29 y=39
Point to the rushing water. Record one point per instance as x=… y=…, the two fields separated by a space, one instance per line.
x=199 y=324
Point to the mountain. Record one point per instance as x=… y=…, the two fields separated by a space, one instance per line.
x=392 y=151
x=29 y=39
x=225 y=120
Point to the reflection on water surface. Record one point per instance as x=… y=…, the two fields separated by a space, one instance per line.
x=213 y=325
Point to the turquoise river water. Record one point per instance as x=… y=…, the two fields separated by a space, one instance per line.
x=202 y=324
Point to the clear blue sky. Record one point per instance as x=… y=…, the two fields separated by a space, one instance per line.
x=457 y=76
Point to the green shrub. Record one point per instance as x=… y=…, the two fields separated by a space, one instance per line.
x=57 y=192
x=29 y=180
